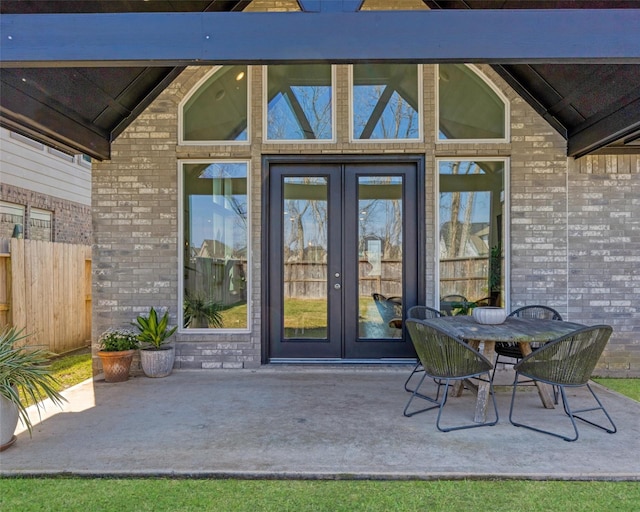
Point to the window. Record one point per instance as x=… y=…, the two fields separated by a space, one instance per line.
x=11 y=220
x=469 y=108
x=471 y=233
x=217 y=109
x=40 y=225
x=299 y=102
x=84 y=160
x=386 y=102
x=215 y=228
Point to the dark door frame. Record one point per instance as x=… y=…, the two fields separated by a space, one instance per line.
x=268 y=160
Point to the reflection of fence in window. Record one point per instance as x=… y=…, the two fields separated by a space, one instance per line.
x=467 y=277
x=223 y=281
x=309 y=279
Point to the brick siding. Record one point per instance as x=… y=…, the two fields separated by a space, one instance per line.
x=574 y=230
x=71 y=221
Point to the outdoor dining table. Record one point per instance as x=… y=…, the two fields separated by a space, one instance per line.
x=523 y=331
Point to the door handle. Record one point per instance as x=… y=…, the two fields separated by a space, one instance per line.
x=337 y=286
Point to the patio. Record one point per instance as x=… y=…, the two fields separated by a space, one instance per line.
x=307 y=422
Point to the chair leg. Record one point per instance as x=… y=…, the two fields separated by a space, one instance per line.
x=495 y=367
x=418 y=368
x=415 y=394
x=600 y=407
x=567 y=409
x=471 y=425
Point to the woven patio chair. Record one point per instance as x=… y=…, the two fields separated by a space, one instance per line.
x=419 y=313
x=512 y=350
x=446 y=358
x=483 y=302
x=448 y=302
x=566 y=362
x=390 y=309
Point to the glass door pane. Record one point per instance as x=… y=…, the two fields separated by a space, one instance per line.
x=304 y=247
x=380 y=226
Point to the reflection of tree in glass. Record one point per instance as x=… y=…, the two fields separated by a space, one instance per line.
x=223 y=176
x=294 y=229
x=380 y=112
x=455 y=214
x=382 y=218
x=300 y=112
x=306 y=226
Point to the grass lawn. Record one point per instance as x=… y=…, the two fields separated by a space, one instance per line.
x=627 y=387
x=144 y=494
x=87 y=495
x=69 y=371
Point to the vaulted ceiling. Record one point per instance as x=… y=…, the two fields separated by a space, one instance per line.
x=592 y=99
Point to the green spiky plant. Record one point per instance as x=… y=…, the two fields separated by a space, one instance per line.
x=200 y=311
x=153 y=331
x=25 y=370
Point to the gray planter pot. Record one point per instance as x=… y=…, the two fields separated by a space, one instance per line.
x=8 y=423
x=157 y=362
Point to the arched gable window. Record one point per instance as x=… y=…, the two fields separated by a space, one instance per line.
x=217 y=109
x=469 y=107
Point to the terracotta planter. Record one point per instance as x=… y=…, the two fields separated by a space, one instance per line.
x=157 y=362
x=116 y=365
x=8 y=423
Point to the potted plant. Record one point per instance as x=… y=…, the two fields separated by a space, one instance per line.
x=22 y=369
x=200 y=311
x=117 y=348
x=156 y=357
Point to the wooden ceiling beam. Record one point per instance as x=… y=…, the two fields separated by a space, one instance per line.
x=430 y=36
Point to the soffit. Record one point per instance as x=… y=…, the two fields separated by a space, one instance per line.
x=83 y=109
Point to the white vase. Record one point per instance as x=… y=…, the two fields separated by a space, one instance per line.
x=489 y=315
x=157 y=362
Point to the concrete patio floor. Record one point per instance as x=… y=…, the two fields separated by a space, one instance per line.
x=309 y=422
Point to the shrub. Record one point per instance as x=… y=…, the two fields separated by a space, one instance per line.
x=115 y=340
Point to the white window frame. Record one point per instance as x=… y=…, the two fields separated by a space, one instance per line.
x=494 y=88
x=249 y=273
x=17 y=207
x=420 y=138
x=196 y=88
x=506 y=243
x=265 y=113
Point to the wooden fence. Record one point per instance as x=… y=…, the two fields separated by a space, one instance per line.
x=464 y=276
x=45 y=289
x=467 y=276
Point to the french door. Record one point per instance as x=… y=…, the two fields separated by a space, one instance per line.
x=342 y=238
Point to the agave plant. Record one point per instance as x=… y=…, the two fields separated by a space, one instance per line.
x=153 y=331
x=200 y=311
x=24 y=369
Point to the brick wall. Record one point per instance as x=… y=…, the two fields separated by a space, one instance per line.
x=71 y=221
x=556 y=228
x=604 y=254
